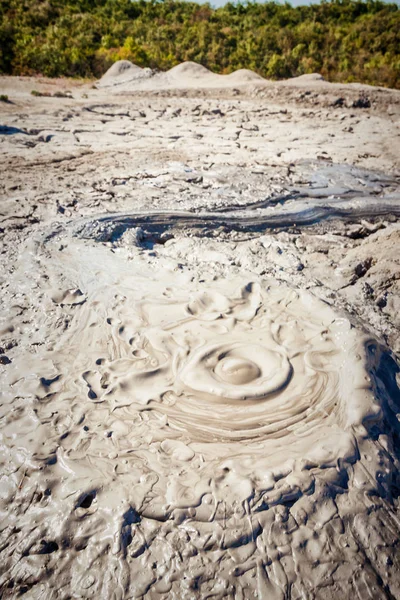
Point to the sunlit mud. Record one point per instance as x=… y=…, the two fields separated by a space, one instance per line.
x=199 y=328
x=193 y=429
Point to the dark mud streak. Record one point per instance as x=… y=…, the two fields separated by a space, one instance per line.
x=158 y=223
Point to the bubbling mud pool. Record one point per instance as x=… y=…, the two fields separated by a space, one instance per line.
x=188 y=431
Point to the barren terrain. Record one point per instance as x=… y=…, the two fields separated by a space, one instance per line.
x=199 y=335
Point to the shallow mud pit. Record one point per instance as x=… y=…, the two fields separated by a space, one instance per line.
x=199 y=400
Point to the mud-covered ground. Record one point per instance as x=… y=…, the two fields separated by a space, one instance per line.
x=199 y=329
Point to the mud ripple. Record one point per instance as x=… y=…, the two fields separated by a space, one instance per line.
x=170 y=420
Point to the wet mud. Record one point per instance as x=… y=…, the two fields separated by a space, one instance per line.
x=201 y=396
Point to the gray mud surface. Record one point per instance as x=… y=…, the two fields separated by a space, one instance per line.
x=200 y=317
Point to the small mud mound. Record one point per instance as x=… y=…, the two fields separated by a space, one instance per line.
x=244 y=76
x=190 y=70
x=123 y=71
x=306 y=79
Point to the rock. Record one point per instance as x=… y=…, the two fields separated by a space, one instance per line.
x=362 y=268
x=382 y=300
x=362 y=102
x=338 y=102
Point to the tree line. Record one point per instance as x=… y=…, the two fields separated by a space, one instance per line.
x=344 y=40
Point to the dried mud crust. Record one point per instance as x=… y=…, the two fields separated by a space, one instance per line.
x=199 y=387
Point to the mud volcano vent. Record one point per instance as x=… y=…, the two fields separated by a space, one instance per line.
x=189 y=431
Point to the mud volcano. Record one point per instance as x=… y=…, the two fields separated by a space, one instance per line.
x=199 y=334
x=192 y=434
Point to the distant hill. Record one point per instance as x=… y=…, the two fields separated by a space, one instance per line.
x=344 y=40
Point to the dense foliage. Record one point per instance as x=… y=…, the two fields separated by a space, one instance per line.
x=345 y=40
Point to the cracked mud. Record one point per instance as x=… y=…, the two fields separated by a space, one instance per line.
x=199 y=341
